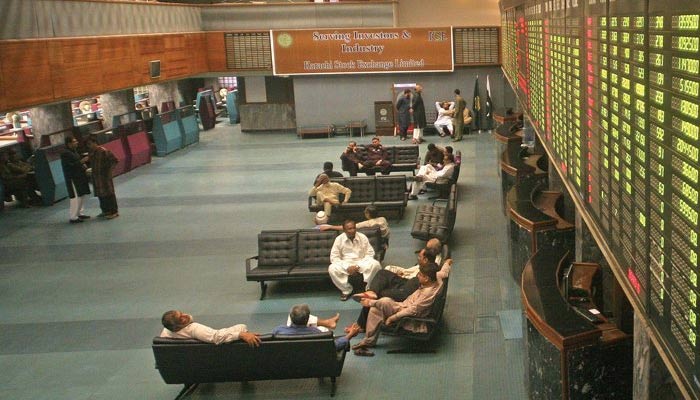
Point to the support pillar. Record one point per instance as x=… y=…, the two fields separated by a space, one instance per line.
x=116 y=103
x=159 y=93
x=50 y=118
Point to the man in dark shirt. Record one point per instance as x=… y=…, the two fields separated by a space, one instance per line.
x=299 y=316
x=351 y=158
x=328 y=170
x=377 y=157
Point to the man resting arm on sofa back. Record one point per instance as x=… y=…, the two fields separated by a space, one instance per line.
x=178 y=325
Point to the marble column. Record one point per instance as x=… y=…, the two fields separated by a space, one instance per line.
x=50 y=118
x=162 y=92
x=651 y=379
x=116 y=103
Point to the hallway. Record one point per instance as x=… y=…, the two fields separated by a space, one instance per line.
x=80 y=304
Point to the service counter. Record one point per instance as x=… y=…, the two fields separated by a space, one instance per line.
x=569 y=356
x=516 y=163
x=535 y=222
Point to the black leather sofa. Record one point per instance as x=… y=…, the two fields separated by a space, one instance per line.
x=387 y=193
x=436 y=220
x=402 y=158
x=191 y=362
x=300 y=254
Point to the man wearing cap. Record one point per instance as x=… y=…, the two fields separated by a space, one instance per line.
x=351 y=254
x=327 y=192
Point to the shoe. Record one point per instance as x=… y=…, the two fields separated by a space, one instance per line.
x=442 y=135
x=101 y=215
x=362 y=352
x=422 y=191
x=75 y=221
x=83 y=217
x=413 y=197
x=111 y=216
x=345 y=297
x=457 y=140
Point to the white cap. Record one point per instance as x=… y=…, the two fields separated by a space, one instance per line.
x=321 y=218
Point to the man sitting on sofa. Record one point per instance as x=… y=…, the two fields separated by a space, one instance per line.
x=398 y=283
x=178 y=325
x=299 y=317
x=431 y=173
x=327 y=192
x=377 y=157
x=388 y=311
x=351 y=254
x=328 y=170
x=351 y=158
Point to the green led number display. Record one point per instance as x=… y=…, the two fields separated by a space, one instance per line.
x=686 y=44
x=687 y=65
x=685 y=86
x=685 y=22
x=691 y=131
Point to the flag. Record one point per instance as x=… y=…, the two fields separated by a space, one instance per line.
x=476 y=107
x=488 y=107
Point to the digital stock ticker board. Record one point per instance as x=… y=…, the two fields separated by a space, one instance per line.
x=613 y=89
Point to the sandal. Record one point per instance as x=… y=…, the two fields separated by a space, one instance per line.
x=363 y=352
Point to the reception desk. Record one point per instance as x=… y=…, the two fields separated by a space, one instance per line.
x=569 y=357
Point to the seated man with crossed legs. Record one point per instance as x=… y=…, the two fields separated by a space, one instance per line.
x=388 y=311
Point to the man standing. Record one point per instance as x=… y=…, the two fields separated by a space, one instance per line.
x=351 y=254
x=77 y=181
x=102 y=161
x=178 y=325
x=460 y=105
x=351 y=159
x=418 y=111
x=377 y=158
x=403 y=107
x=388 y=311
x=327 y=192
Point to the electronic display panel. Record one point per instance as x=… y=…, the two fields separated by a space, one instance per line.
x=618 y=110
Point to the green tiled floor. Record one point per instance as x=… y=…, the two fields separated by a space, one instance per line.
x=79 y=304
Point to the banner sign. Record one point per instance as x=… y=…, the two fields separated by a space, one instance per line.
x=361 y=50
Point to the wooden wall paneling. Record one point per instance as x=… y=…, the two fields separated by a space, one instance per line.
x=75 y=67
x=149 y=48
x=216 y=51
x=196 y=44
x=176 y=56
x=26 y=73
x=117 y=55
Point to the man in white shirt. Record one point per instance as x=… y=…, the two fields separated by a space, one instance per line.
x=178 y=325
x=445 y=112
x=351 y=254
x=430 y=173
